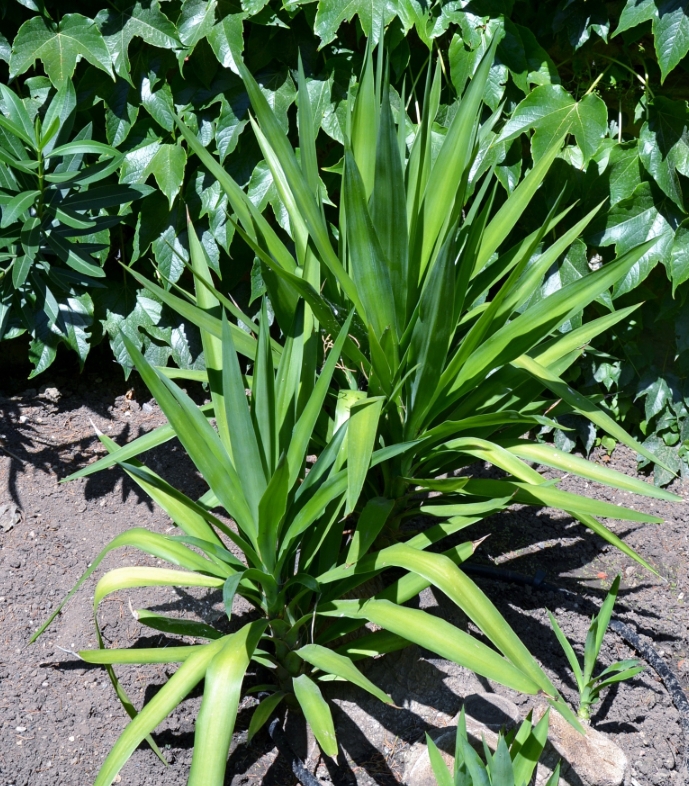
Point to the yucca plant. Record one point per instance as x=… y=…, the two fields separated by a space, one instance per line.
x=444 y=349
x=511 y=764
x=590 y=687
x=287 y=551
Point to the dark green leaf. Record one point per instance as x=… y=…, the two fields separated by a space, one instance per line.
x=664 y=146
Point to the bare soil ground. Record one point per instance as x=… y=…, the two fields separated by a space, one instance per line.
x=59 y=716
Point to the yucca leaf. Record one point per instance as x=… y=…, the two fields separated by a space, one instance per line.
x=367 y=264
x=440 y=770
x=212 y=345
x=191 y=517
x=496 y=455
x=221 y=694
x=263 y=397
x=432 y=333
x=182 y=682
x=305 y=425
x=126 y=578
x=304 y=198
x=437 y=635
x=363 y=427
x=529 y=748
x=569 y=652
x=522 y=333
x=364 y=131
x=248 y=215
x=369 y=524
x=453 y=159
x=148 y=542
x=271 y=511
x=199 y=440
x=583 y=406
x=550 y=456
x=263 y=712
x=321 y=309
x=141 y=655
x=445 y=575
x=602 y=531
x=620 y=677
x=388 y=208
x=333 y=663
x=551 y=497
x=244 y=343
x=180 y=627
x=317 y=713
x=288 y=379
x=605 y=613
x=154 y=438
x=513 y=209
x=245 y=449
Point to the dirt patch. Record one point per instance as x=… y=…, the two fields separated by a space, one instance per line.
x=59 y=717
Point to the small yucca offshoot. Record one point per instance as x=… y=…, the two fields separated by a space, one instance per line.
x=445 y=349
x=287 y=554
x=588 y=685
x=512 y=764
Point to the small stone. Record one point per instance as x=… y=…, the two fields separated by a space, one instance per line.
x=147 y=408
x=595 y=758
x=20 y=728
x=52 y=394
x=15 y=563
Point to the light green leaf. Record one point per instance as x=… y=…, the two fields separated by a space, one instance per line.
x=374 y=17
x=361 y=435
x=670 y=33
x=142 y=19
x=58 y=46
x=371 y=521
x=195 y=21
x=227 y=40
x=437 y=635
x=551 y=111
x=636 y=12
x=332 y=663
x=221 y=694
x=126 y=578
x=630 y=223
x=167 y=167
x=182 y=682
x=317 y=713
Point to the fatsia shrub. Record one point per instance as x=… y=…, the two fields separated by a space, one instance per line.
x=288 y=555
x=54 y=203
x=445 y=349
